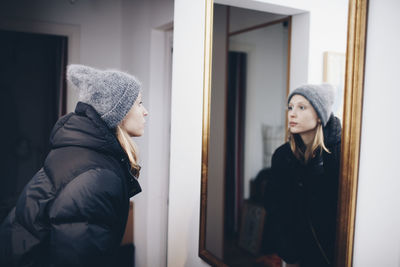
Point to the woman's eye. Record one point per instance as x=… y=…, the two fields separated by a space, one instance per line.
x=302 y=107
x=290 y=108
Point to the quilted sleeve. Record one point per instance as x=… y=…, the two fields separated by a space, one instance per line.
x=88 y=219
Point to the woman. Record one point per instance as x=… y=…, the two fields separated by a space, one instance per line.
x=302 y=199
x=73 y=212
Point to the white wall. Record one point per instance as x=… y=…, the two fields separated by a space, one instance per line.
x=240 y=18
x=377 y=235
x=119 y=34
x=186 y=128
x=299 y=51
x=144 y=54
x=266 y=50
x=327 y=31
x=158 y=148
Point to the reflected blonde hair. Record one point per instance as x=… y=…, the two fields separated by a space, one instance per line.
x=129 y=147
x=310 y=151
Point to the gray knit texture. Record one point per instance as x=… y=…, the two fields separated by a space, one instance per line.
x=320 y=96
x=111 y=93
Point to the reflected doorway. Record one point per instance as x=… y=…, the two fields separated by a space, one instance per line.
x=250 y=49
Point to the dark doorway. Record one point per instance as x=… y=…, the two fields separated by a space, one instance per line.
x=32 y=97
x=234 y=154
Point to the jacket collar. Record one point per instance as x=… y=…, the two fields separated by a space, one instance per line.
x=332 y=131
x=85 y=128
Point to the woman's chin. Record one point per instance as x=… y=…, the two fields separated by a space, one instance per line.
x=136 y=133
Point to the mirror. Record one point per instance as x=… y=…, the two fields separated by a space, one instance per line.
x=245 y=91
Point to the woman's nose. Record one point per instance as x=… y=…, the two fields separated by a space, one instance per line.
x=145 y=112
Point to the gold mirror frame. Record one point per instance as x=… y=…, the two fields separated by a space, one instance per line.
x=352 y=114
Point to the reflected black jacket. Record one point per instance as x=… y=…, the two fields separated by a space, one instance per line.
x=302 y=202
x=74 y=210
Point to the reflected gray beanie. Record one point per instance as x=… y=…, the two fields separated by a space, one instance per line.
x=111 y=93
x=320 y=96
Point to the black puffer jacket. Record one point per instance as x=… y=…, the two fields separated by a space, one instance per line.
x=74 y=210
x=302 y=202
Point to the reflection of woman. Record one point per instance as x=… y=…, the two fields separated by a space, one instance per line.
x=74 y=211
x=302 y=198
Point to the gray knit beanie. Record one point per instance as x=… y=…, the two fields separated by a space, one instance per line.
x=320 y=96
x=111 y=93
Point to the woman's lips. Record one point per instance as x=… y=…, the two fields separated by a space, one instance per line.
x=292 y=124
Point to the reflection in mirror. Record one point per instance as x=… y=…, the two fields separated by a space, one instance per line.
x=302 y=187
x=250 y=111
x=256 y=61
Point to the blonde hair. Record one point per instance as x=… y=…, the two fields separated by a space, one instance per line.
x=129 y=147
x=310 y=151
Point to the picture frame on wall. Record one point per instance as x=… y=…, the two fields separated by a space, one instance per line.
x=334 y=73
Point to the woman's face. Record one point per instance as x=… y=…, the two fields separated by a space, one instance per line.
x=134 y=121
x=302 y=117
